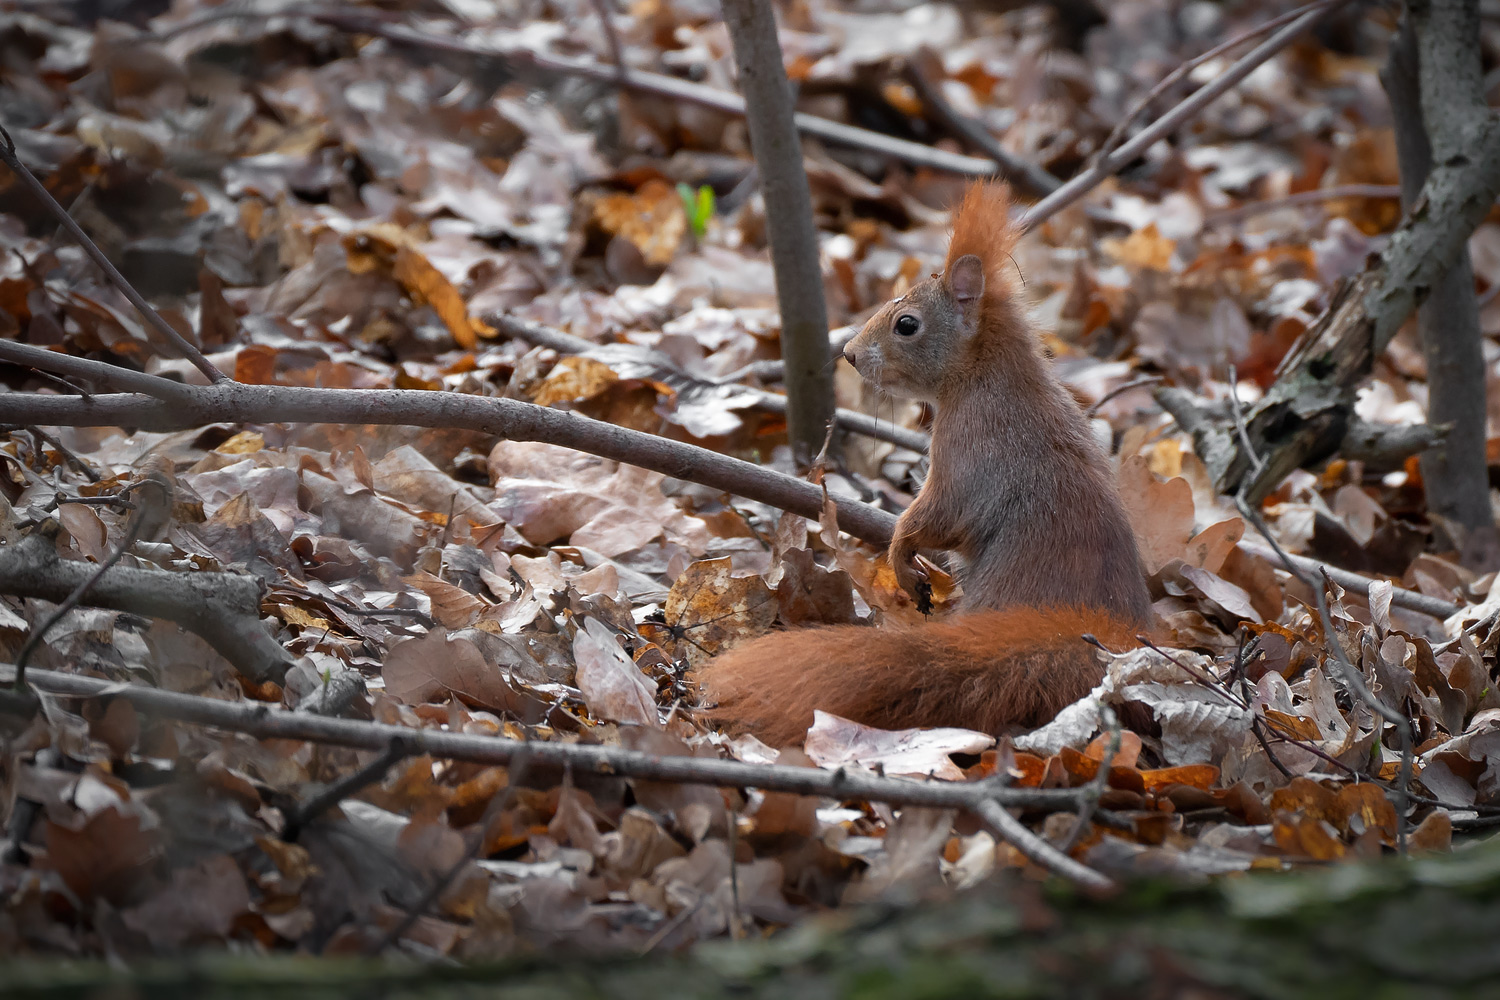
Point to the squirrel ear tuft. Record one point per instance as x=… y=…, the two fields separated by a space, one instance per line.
x=965 y=279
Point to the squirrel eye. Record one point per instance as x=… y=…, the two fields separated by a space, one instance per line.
x=907 y=325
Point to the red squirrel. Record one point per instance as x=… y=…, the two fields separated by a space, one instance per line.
x=1017 y=489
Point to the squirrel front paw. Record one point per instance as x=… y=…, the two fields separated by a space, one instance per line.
x=912 y=577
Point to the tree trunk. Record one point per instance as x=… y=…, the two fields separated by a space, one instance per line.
x=1455 y=473
x=789 y=223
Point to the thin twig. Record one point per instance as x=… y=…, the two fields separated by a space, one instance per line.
x=493 y=811
x=681 y=917
x=1168 y=123
x=1120 y=390
x=1095 y=788
x=346 y=786
x=1241 y=669
x=736 y=928
x=1013 y=832
x=153 y=319
x=1313 y=197
x=64 y=383
x=77 y=464
x=114 y=377
x=1239 y=421
x=1166 y=83
x=138 y=519
x=923 y=70
x=1351 y=675
x=604 y=8
x=1207 y=682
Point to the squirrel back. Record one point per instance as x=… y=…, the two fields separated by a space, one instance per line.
x=1017 y=489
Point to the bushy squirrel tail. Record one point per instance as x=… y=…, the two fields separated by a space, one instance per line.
x=981 y=670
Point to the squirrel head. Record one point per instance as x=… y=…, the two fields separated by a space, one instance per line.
x=937 y=330
x=914 y=343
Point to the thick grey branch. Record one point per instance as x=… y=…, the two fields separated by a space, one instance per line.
x=505 y=418
x=223 y=608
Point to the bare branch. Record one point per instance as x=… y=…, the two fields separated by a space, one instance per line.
x=111 y=376
x=223 y=608
x=151 y=316
x=923 y=70
x=1009 y=829
x=1167 y=82
x=266 y=722
x=1085 y=182
x=506 y=418
x=1411 y=600
x=1095 y=789
x=672 y=88
x=566 y=343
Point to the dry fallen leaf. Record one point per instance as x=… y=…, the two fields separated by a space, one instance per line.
x=432 y=667
x=612 y=684
x=708 y=609
x=834 y=742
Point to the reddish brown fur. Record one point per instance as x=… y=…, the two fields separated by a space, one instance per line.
x=1018 y=489
x=982 y=227
x=988 y=671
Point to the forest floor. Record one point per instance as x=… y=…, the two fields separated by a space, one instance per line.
x=375 y=196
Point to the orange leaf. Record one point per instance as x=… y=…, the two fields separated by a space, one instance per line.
x=1129 y=752
x=1292 y=726
x=1197 y=775
x=425 y=283
x=1363 y=807
x=255 y=365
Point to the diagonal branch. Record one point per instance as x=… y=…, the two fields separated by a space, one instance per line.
x=505 y=418
x=1302 y=417
x=1168 y=123
x=100 y=373
x=153 y=319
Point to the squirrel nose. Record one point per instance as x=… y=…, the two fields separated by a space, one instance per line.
x=849 y=356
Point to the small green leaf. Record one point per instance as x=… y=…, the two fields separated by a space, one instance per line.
x=705 y=205
x=698 y=206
